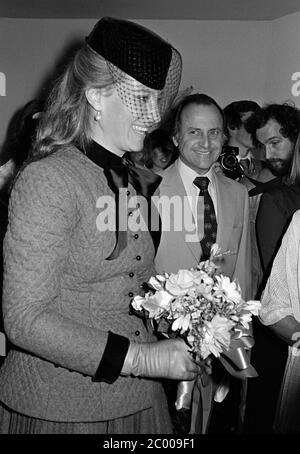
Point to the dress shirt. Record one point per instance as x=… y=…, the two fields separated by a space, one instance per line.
x=188 y=175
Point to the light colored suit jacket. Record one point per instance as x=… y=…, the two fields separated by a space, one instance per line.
x=175 y=252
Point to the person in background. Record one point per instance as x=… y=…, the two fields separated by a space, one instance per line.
x=250 y=157
x=80 y=363
x=251 y=171
x=276 y=127
x=236 y=116
x=160 y=151
x=280 y=313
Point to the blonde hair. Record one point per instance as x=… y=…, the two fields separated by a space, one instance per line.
x=294 y=176
x=66 y=119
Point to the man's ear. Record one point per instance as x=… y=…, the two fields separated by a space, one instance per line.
x=94 y=98
x=175 y=141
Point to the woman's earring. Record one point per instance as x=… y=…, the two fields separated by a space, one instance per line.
x=97 y=117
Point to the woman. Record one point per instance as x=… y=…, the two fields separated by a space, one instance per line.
x=160 y=151
x=281 y=312
x=69 y=274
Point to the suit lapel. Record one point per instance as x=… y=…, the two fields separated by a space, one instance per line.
x=172 y=185
x=226 y=211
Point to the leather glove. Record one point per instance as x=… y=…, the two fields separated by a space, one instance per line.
x=162 y=359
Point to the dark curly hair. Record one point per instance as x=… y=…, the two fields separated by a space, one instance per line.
x=233 y=113
x=287 y=116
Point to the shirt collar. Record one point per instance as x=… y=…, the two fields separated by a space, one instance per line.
x=188 y=175
x=101 y=156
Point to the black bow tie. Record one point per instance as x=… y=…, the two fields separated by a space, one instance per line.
x=119 y=172
x=144 y=181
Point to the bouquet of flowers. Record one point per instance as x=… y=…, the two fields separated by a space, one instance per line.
x=206 y=309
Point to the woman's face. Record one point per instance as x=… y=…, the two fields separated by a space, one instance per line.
x=161 y=159
x=120 y=129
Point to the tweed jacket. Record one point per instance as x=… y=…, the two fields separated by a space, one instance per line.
x=176 y=251
x=61 y=296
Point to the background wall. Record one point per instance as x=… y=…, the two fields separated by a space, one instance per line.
x=284 y=61
x=229 y=60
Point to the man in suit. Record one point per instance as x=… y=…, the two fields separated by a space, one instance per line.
x=199 y=136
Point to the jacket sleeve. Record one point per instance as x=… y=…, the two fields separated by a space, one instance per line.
x=42 y=214
x=270 y=227
x=243 y=263
x=282 y=293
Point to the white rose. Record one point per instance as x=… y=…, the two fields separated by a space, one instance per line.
x=158 y=303
x=178 y=284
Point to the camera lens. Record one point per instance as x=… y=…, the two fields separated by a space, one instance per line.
x=229 y=162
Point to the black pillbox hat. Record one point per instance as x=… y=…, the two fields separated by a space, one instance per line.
x=134 y=49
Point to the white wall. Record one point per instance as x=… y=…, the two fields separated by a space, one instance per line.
x=284 y=61
x=226 y=59
x=229 y=60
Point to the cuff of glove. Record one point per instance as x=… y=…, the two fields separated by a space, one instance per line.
x=112 y=359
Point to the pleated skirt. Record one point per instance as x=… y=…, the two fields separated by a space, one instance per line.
x=155 y=420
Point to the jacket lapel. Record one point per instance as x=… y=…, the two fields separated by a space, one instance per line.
x=226 y=211
x=172 y=185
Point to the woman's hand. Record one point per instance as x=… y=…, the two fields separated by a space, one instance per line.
x=163 y=359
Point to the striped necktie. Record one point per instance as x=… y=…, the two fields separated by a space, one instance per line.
x=209 y=218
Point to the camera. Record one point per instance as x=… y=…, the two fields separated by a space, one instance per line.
x=229 y=162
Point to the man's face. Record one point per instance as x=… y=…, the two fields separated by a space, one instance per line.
x=161 y=159
x=279 y=149
x=242 y=136
x=200 y=136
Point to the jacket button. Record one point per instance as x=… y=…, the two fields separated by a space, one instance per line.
x=130 y=214
x=137 y=333
x=131 y=274
x=130 y=294
x=136 y=236
x=128 y=192
x=138 y=257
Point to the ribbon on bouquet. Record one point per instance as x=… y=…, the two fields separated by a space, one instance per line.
x=235 y=360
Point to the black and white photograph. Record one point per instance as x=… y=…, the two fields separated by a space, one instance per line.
x=149 y=221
